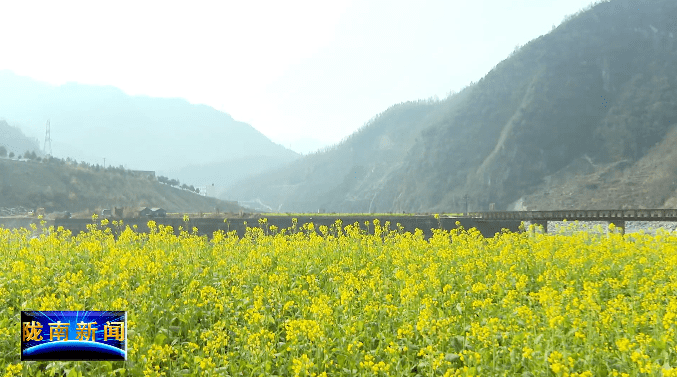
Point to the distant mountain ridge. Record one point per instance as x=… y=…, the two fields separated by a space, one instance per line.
x=599 y=89
x=162 y=134
x=13 y=140
x=343 y=176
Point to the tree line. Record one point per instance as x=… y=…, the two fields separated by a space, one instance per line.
x=176 y=183
x=27 y=155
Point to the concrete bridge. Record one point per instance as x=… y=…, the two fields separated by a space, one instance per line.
x=612 y=216
x=488 y=223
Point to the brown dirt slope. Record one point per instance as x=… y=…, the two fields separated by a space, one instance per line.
x=55 y=187
x=650 y=182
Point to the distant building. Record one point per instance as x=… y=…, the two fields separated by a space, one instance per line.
x=106 y=213
x=151 y=212
x=158 y=212
x=144 y=212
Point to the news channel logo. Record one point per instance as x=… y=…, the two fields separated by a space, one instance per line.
x=73 y=335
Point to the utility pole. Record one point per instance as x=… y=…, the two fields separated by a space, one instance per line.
x=466 y=204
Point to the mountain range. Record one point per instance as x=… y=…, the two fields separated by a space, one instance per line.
x=197 y=144
x=582 y=117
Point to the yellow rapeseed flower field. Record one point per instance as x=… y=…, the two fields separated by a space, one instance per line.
x=343 y=302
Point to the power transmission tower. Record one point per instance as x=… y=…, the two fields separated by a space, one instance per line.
x=48 y=141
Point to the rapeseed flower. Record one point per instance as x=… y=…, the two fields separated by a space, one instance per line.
x=347 y=302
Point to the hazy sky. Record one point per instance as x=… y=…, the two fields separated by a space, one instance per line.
x=304 y=73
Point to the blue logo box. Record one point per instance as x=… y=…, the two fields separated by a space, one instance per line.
x=73 y=335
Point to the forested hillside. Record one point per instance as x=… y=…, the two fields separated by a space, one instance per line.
x=59 y=185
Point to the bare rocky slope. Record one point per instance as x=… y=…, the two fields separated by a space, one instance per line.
x=583 y=117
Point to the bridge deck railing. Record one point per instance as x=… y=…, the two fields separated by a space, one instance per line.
x=587 y=215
